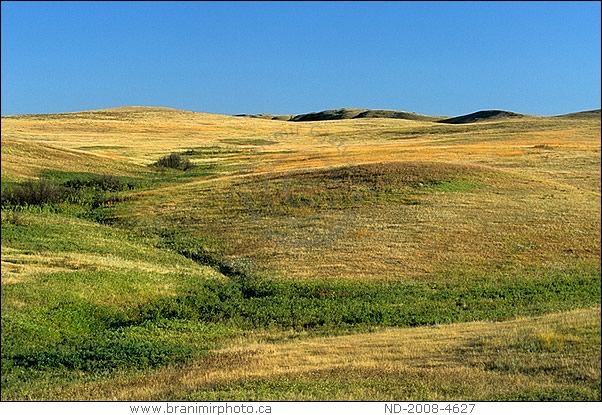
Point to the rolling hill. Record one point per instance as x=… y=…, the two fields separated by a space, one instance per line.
x=486 y=115
x=355 y=113
x=582 y=114
x=345 y=114
x=366 y=255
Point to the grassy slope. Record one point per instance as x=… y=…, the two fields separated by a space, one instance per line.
x=551 y=357
x=370 y=223
x=68 y=285
x=408 y=220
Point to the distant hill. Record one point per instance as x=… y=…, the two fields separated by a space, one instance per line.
x=345 y=114
x=486 y=115
x=396 y=114
x=355 y=113
x=117 y=113
x=136 y=112
x=284 y=117
x=582 y=114
x=336 y=114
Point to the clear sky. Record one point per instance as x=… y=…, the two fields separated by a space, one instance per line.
x=436 y=58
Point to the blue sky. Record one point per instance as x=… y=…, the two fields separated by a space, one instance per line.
x=437 y=58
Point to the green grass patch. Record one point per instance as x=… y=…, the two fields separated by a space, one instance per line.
x=331 y=306
x=31 y=371
x=248 y=141
x=85 y=178
x=107 y=147
x=456 y=185
x=71 y=321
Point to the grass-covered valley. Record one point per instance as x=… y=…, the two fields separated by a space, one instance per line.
x=158 y=254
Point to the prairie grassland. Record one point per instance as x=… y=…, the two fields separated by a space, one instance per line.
x=44 y=243
x=555 y=357
x=140 y=135
x=191 y=284
x=399 y=220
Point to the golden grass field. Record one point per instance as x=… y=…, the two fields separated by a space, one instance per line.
x=375 y=201
x=536 y=180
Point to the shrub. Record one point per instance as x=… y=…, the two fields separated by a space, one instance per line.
x=108 y=352
x=31 y=192
x=175 y=161
x=104 y=182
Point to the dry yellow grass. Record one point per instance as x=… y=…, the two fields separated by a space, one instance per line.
x=139 y=135
x=18 y=265
x=540 y=205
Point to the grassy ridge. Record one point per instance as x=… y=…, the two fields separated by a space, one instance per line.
x=410 y=220
x=69 y=285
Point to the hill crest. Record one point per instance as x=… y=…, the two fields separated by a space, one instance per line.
x=483 y=115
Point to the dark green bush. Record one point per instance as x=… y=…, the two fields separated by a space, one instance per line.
x=96 y=192
x=99 y=353
x=175 y=161
x=34 y=193
x=103 y=182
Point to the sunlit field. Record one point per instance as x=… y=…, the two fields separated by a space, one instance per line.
x=158 y=254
